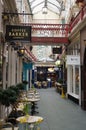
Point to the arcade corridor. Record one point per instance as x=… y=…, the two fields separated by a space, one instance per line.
x=30 y=32
x=59 y=113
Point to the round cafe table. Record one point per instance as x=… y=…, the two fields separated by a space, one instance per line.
x=33 y=100
x=31 y=120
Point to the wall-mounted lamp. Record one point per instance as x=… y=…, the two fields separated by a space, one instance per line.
x=21 y=51
x=5 y=17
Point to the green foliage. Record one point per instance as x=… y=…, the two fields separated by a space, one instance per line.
x=8 y=98
x=25 y=82
x=1 y=92
x=20 y=86
x=33 y=86
x=60 y=80
x=15 y=88
x=26 y=109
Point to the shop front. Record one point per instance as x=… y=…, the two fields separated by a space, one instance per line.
x=27 y=74
x=73 y=78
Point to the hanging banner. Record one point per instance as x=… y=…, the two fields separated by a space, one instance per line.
x=18 y=33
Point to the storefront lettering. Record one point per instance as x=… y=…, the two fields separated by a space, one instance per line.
x=15 y=32
x=72 y=59
x=18 y=34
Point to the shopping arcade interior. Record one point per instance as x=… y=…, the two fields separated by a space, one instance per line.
x=48 y=38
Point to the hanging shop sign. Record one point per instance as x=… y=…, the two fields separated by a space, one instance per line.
x=73 y=60
x=57 y=50
x=18 y=33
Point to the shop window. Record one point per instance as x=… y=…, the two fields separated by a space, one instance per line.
x=71 y=79
x=77 y=80
x=74 y=79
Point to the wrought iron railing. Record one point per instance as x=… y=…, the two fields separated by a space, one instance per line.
x=78 y=19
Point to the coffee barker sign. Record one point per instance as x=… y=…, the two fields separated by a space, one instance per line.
x=18 y=33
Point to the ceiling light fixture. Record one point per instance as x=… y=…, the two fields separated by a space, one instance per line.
x=44 y=9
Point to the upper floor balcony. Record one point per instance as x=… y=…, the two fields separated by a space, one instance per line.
x=79 y=21
x=57 y=33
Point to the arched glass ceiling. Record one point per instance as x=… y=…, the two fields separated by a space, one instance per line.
x=52 y=5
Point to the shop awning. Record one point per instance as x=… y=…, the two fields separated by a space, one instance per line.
x=30 y=55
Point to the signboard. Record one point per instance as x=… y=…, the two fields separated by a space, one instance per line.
x=73 y=60
x=18 y=33
x=57 y=50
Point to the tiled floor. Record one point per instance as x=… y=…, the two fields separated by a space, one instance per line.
x=59 y=113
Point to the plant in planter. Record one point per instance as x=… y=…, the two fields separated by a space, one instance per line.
x=60 y=80
x=15 y=88
x=16 y=113
x=25 y=82
x=1 y=93
x=20 y=86
x=8 y=97
x=26 y=108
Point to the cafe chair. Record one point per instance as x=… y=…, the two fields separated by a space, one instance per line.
x=7 y=126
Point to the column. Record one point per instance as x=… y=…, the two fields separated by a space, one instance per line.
x=9 y=65
x=13 y=75
x=19 y=70
x=4 y=66
x=30 y=78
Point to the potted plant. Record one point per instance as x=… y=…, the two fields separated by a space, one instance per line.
x=25 y=82
x=20 y=86
x=8 y=97
x=60 y=80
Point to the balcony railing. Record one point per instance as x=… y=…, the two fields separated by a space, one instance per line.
x=77 y=20
x=55 y=33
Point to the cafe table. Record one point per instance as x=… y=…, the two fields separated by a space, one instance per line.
x=30 y=121
x=33 y=100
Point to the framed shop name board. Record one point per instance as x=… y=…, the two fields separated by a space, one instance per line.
x=73 y=60
x=18 y=33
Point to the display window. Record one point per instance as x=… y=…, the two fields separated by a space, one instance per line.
x=77 y=80
x=74 y=80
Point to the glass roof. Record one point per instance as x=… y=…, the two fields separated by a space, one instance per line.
x=52 y=5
